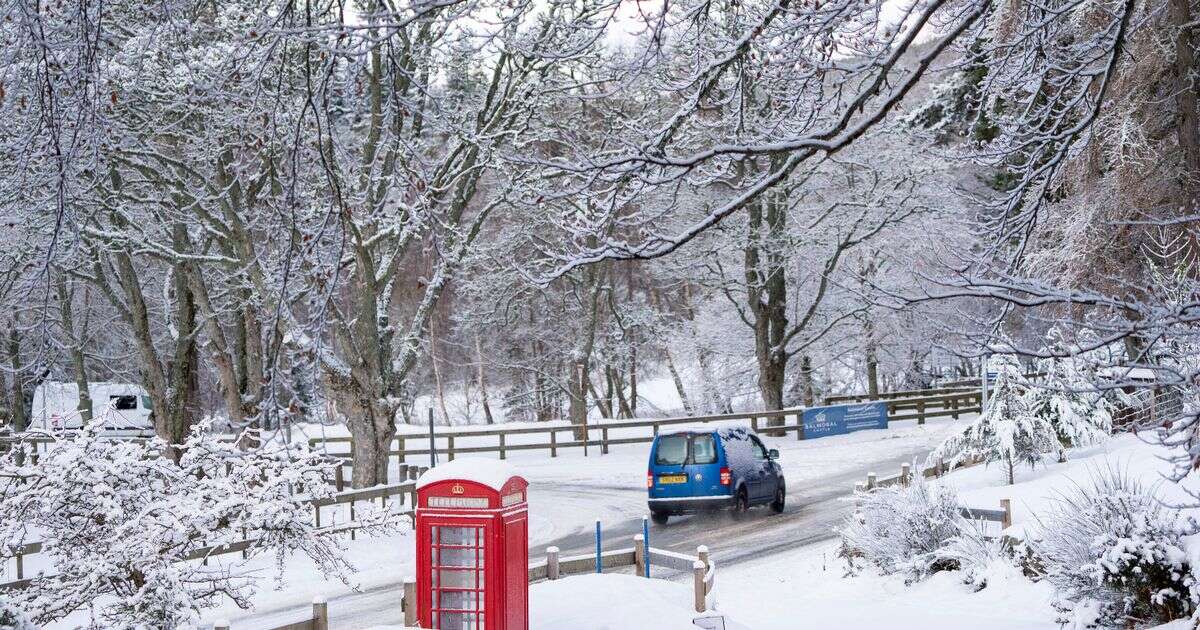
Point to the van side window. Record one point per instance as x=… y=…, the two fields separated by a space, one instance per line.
x=704 y=449
x=672 y=450
x=123 y=403
x=760 y=451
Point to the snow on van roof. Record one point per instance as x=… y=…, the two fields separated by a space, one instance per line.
x=492 y=473
x=703 y=428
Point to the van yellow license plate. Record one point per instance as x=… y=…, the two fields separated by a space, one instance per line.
x=665 y=479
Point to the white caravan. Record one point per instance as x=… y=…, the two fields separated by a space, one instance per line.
x=124 y=408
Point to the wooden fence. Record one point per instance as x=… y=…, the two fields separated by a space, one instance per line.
x=782 y=422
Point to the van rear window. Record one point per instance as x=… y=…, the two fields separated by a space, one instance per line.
x=684 y=448
x=704 y=449
x=672 y=450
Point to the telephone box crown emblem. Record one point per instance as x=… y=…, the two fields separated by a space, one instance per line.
x=457 y=489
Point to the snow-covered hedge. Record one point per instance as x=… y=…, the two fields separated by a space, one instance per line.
x=902 y=529
x=1115 y=555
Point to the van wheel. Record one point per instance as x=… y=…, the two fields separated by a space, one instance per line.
x=780 y=498
x=660 y=518
x=741 y=505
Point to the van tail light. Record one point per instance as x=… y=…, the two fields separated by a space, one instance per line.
x=726 y=478
x=649 y=480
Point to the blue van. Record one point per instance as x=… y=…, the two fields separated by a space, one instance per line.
x=693 y=470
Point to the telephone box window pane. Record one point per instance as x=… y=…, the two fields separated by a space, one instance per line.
x=450 y=578
x=461 y=600
x=459 y=558
x=456 y=536
x=461 y=621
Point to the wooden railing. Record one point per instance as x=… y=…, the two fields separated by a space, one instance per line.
x=449 y=443
x=243 y=546
x=904 y=393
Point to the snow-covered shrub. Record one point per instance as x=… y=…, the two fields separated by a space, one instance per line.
x=978 y=556
x=902 y=529
x=1114 y=554
x=1008 y=431
x=117 y=521
x=13 y=619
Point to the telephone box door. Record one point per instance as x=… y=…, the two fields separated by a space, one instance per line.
x=457 y=577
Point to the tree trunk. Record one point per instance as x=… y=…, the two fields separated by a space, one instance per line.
x=19 y=413
x=479 y=376
x=74 y=349
x=603 y=402
x=806 y=380
x=633 y=382
x=679 y=388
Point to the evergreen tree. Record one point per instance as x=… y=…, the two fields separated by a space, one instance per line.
x=1008 y=431
x=1078 y=418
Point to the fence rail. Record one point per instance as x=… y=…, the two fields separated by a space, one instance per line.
x=779 y=423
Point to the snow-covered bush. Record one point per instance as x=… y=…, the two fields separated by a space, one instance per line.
x=902 y=529
x=1079 y=418
x=117 y=521
x=1114 y=554
x=976 y=555
x=1008 y=431
x=13 y=619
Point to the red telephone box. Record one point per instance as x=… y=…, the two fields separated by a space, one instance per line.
x=472 y=524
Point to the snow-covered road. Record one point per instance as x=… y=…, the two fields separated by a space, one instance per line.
x=567 y=494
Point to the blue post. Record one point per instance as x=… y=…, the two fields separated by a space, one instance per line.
x=646 y=544
x=599 y=563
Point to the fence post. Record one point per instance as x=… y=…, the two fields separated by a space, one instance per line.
x=870 y=481
x=904 y=473
x=450 y=448
x=702 y=554
x=410 y=602
x=954 y=407
x=921 y=411
x=352 y=526
x=754 y=424
x=320 y=613
x=553 y=443
x=604 y=441
x=402 y=473
x=1006 y=505
x=20 y=566
x=698 y=571
x=339 y=477
x=552 y=563
x=800 y=426
x=639 y=554
x=502 y=455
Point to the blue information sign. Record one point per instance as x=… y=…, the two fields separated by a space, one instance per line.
x=842 y=419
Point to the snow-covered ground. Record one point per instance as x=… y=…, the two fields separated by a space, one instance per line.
x=807 y=587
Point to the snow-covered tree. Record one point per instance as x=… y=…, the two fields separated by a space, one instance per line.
x=119 y=522
x=1008 y=431
x=1068 y=401
x=12 y=618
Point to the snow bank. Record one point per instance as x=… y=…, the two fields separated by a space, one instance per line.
x=493 y=473
x=610 y=602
